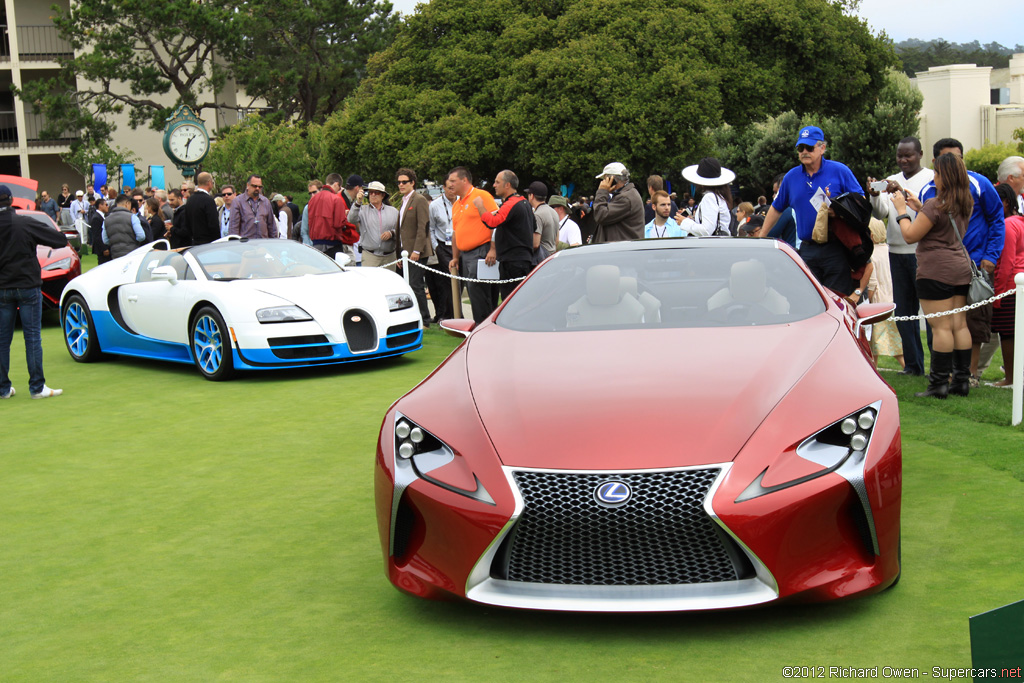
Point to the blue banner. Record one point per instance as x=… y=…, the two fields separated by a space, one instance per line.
x=99 y=176
x=156 y=177
x=127 y=176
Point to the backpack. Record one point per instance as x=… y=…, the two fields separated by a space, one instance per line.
x=851 y=227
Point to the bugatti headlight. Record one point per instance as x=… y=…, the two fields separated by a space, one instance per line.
x=63 y=264
x=399 y=302
x=418 y=452
x=832 y=447
x=282 y=314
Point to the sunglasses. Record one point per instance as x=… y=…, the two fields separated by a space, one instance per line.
x=805 y=148
x=228 y=194
x=404 y=182
x=256 y=187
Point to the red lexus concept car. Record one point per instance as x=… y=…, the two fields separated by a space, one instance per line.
x=658 y=425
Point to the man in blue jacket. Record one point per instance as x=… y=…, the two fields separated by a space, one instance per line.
x=984 y=240
x=20 y=293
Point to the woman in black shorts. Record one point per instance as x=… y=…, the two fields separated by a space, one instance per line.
x=943 y=271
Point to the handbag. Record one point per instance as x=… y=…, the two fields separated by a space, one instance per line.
x=980 y=289
x=719 y=231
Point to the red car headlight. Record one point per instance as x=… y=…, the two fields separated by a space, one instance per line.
x=840 y=446
x=421 y=455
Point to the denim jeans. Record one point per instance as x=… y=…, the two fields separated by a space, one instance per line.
x=30 y=304
x=904 y=294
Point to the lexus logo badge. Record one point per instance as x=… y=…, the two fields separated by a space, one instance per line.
x=613 y=493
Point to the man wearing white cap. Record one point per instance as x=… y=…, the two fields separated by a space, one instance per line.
x=79 y=207
x=618 y=208
x=378 y=225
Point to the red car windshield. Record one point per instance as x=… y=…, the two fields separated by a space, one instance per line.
x=661 y=287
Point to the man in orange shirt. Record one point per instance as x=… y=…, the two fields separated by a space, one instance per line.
x=472 y=240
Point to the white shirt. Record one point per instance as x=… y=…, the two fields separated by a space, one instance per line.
x=225 y=220
x=569 y=232
x=79 y=209
x=882 y=207
x=712 y=213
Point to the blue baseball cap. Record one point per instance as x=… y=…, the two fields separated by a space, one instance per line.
x=810 y=135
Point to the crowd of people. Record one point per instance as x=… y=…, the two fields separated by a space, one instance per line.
x=927 y=226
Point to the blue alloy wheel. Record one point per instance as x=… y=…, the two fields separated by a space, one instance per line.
x=79 y=333
x=211 y=347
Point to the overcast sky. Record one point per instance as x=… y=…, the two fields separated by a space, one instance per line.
x=958 y=21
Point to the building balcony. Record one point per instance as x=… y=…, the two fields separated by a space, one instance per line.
x=34 y=124
x=35 y=44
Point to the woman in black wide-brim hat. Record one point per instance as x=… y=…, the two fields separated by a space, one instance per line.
x=713 y=215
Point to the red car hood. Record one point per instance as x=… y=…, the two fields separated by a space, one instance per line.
x=666 y=397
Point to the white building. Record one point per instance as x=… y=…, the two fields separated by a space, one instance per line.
x=974 y=104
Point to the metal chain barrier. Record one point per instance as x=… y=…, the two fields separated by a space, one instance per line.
x=455 y=277
x=925 y=316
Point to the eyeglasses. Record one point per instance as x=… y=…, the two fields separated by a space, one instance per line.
x=404 y=182
x=228 y=194
x=805 y=148
x=256 y=187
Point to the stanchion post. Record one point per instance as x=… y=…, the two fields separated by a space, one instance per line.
x=405 y=265
x=456 y=293
x=1018 y=351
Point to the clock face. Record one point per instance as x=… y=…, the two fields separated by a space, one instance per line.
x=188 y=142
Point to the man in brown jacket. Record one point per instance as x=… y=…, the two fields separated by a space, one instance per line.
x=414 y=234
x=618 y=208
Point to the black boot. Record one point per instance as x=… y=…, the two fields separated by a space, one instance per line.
x=961 y=384
x=938 y=378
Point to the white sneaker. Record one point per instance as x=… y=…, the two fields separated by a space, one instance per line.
x=47 y=392
x=10 y=395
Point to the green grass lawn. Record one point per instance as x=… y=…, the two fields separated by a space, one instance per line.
x=158 y=527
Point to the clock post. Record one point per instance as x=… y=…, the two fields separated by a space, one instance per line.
x=186 y=141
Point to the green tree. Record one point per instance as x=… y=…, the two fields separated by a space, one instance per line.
x=557 y=89
x=986 y=160
x=865 y=141
x=286 y=155
x=304 y=57
x=1019 y=135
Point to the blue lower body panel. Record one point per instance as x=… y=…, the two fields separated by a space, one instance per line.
x=116 y=340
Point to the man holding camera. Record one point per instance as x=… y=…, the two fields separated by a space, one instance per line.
x=618 y=208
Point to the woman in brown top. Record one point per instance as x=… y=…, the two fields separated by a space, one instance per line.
x=943 y=271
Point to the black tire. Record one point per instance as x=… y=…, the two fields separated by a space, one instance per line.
x=210 y=345
x=79 y=331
